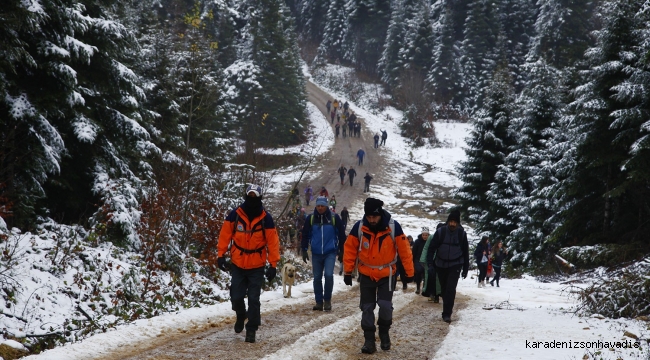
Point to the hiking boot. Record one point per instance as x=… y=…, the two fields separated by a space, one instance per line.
x=384 y=339
x=327 y=306
x=446 y=318
x=436 y=299
x=369 y=346
x=492 y=282
x=318 y=307
x=417 y=291
x=239 y=324
x=250 y=336
x=404 y=287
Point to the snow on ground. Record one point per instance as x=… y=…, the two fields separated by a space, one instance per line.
x=544 y=311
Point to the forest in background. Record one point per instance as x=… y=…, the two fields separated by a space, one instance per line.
x=559 y=95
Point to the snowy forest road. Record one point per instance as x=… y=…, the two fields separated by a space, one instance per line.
x=295 y=331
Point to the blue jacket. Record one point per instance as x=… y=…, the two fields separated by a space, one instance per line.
x=324 y=237
x=361 y=153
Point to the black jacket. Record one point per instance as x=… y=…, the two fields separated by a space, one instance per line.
x=367 y=178
x=478 y=252
x=352 y=173
x=439 y=237
x=418 y=246
x=345 y=216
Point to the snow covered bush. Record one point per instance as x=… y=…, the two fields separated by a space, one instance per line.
x=586 y=257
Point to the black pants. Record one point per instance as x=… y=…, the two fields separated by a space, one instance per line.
x=419 y=273
x=366 y=187
x=482 y=271
x=375 y=293
x=448 y=281
x=247 y=282
x=497 y=274
x=376 y=144
x=342 y=179
x=351 y=180
x=383 y=142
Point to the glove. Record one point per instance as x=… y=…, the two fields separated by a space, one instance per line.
x=347 y=279
x=270 y=273
x=464 y=274
x=409 y=280
x=305 y=257
x=221 y=262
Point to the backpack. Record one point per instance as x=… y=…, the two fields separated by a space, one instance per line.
x=336 y=231
x=391 y=226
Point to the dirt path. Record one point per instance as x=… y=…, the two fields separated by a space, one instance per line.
x=417 y=331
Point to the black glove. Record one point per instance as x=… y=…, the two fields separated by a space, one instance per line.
x=409 y=280
x=305 y=257
x=270 y=273
x=464 y=274
x=221 y=262
x=347 y=279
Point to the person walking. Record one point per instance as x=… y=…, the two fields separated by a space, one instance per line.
x=309 y=192
x=335 y=104
x=374 y=244
x=324 y=231
x=481 y=256
x=249 y=234
x=366 y=183
x=328 y=105
x=345 y=216
x=342 y=172
x=351 y=127
x=351 y=174
x=450 y=243
x=431 y=286
x=418 y=246
x=384 y=136
x=376 y=138
x=357 y=129
x=332 y=115
x=499 y=254
x=338 y=129
x=344 y=128
x=360 y=155
x=346 y=106
x=333 y=202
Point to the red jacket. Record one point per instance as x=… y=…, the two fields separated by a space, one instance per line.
x=375 y=255
x=252 y=241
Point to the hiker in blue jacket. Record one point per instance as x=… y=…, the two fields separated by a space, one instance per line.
x=324 y=231
x=360 y=155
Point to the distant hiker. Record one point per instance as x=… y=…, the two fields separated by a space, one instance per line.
x=360 y=155
x=344 y=128
x=351 y=127
x=384 y=136
x=357 y=129
x=250 y=235
x=309 y=192
x=333 y=202
x=376 y=137
x=336 y=105
x=351 y=175
x=498 y=255
x=345 y=216
x=346 y=106
x=332 y=114
x=450 y=243
x=374 y=243
x=431 y=286
x=481 y=256
x=342 y=172
x=338 y=129
x=353 y=117
x=323 y=192
x=324 y=231
x=366 y=185
x=328 y=105
x=418 y=246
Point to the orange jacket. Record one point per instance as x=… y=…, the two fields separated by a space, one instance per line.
x=250 y=247
x=375 y=255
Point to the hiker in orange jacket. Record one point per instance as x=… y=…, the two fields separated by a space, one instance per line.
x=382 y=239
x=254 y=238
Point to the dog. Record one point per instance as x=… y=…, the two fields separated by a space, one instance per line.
x=288 y=276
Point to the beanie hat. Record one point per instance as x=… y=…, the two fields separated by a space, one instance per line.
x=425 y=229
x=255 y=189
x=454 y=215
x=373 y=206
x=321 y=200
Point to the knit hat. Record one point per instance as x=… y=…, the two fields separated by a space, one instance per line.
x=454 y=215
x=255 y=189
x=425 y=229
x=373 y=206
x=321 y=200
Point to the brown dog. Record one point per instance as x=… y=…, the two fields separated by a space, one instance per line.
x=288 y=276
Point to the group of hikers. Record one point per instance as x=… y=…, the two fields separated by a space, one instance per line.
x=376 y=249
x=346 y=119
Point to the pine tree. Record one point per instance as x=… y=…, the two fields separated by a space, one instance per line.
x=517 y=19
x=389 y=64
x=313 y=19
x=529 y=163
x=597 y=207
x=335 y=26
x=366 y=32
x=488 y=146
x=418 y=42
x=444 y=79
x=562 y=31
